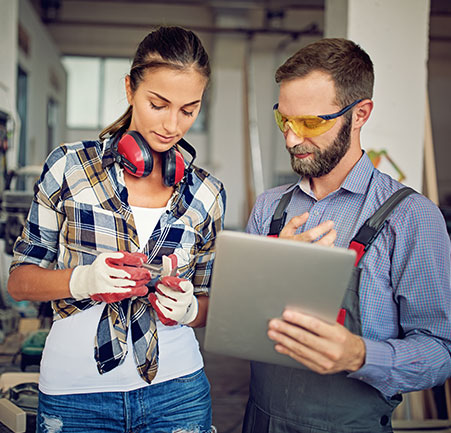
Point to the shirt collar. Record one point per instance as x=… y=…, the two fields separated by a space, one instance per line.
x=359 y=177
x=108 y=158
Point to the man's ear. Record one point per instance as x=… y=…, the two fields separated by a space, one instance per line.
x=362 y=112
x=128 y=90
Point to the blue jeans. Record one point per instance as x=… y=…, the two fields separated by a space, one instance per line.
x=181 y=405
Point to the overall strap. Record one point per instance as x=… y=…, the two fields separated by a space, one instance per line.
x=280 y=215
x=370 y=230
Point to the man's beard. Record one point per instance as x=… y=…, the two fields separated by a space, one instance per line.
x=324 y=161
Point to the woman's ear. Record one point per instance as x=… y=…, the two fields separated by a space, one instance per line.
x=128 y=90
x=362 y=112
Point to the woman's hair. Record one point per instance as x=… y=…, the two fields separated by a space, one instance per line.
x=349 y=66
x=168 y=47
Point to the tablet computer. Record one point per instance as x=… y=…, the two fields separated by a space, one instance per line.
x=255 y=277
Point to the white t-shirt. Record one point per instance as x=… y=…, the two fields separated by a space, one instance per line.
x=68 y=365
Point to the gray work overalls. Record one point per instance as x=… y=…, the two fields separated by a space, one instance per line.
x=291 y=400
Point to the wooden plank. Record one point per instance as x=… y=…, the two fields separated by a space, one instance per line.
x=12 y=416
x=430 y=188
x=448 y=397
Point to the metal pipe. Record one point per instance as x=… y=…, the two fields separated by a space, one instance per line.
x=311 y=30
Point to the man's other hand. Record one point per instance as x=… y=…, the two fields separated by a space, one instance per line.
x=322 y=234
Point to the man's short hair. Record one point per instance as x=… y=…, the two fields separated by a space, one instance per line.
x=349 y=66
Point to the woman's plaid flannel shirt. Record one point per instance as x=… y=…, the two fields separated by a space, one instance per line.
x=81 y=198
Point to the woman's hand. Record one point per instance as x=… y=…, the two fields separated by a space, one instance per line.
x=112 y=277
x=174 y=300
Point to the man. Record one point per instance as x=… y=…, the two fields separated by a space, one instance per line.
x=353 y=380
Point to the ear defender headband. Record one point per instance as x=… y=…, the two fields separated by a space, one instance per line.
x=132 y=151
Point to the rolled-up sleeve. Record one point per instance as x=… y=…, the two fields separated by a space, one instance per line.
x=205 y=258
x=38 y=242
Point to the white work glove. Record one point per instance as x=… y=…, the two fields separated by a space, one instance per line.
x=174 y=300
x=112 y=277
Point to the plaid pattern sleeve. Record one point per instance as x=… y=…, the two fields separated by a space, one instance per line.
x=81 y=199
x=39 y=239
x=213 y=224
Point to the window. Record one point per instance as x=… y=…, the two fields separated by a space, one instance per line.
x=114 y=99
x=95 y=91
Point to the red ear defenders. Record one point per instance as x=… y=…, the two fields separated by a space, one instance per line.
x=133 y=152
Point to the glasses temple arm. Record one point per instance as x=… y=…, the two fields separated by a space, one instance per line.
x=341 y=112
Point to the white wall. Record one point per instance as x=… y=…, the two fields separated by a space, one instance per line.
x=8 y=64
x=226 y=124
x=8 y=54
x=46 y=79
x=397 y=43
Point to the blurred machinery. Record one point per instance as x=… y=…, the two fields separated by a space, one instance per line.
x=18 y=402
x=16 y=194
x=14 y=209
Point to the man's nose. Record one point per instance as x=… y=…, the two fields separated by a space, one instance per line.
x=291 y=139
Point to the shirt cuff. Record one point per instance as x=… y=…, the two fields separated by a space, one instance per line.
x=201 y=291
x=378 y=360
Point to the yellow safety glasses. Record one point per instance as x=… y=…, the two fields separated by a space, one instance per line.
x=309 y=126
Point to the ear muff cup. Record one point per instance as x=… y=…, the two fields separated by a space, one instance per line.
x=173 y=167
x=136 y=156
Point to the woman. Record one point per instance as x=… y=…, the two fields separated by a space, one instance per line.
x=119 y=358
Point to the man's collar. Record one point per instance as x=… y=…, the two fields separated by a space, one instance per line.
x=359 y=177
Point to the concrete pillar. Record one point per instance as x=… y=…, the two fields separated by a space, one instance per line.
x=9 y=12
x=226 y=138
x=396 y=36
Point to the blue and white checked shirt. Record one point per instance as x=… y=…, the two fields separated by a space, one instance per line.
x=81 y=199
x=405 y=293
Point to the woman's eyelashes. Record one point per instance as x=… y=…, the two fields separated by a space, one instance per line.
x=160 y=107
x=156 y=107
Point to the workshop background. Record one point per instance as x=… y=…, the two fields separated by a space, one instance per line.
x=62 y=70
